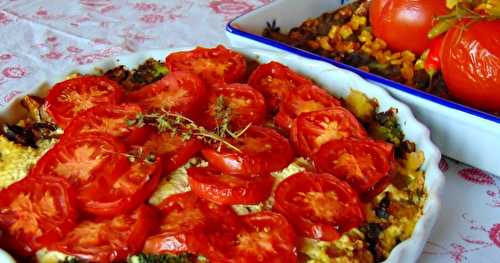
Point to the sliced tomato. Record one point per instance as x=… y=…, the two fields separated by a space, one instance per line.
x=172 y=148
x=319 y=205
x=125 y=194
x=303 y=99
x=84 y=159
x=110 y=119
x=360 y=162
x=227 y=189
x=265 y=237
x=186 y=222
x=274 y=81
x=181 y=92
x=70 y=97
x=313 y=129
x=35 y=212
x=262 y=150
x=245 y=103
x=213 y=65
x=109 y=240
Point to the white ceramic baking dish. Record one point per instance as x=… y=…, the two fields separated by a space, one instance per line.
x=337 y=81
x=460 y=132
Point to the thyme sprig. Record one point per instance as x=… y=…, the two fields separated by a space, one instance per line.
x=177 y=124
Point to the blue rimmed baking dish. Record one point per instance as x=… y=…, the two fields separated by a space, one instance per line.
x=461 y=132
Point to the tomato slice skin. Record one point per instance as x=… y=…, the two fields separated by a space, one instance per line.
x=83 y=159
x=312 y=129
x=187 y=221
x=264 y=237
x=109 y=119
x=213 y=65
x=181 y=92
x=125 y=194
x=67 y=98
x=303 y=99
x=246 y=104
x=274 y=81
x=172 y=149
x=258 y=146
x=319 y=205
x=224 y=189
x=35 y=212
x=360 y=162
x=109 y=240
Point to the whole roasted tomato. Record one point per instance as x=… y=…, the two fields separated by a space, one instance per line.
x=470 y=61
x=404 y=24
x=35 y=212
x=70 y=97
x=319 y=205
x=109 y=240
x=213 y=65
x=225 y=189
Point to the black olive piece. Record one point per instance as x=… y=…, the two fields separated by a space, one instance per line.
x=357 y=59
x=372 y=232
x=19 y=135
x=43 y=130
x=381 y=211
x=421 y=79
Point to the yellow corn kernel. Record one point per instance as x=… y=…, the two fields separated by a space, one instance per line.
x=407 y=72
x=365 y=36
x=323 y=42
x=379 y=56
x=333 y=31
x=408 y=56
x=396 y=55
x=345 y=31
x=366 y=49
x=357 y=21
x=396 y=61
x=379 y=44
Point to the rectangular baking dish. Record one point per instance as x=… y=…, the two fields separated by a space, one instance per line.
x=462 y=133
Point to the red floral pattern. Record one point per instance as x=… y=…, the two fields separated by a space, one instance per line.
x=39 y=37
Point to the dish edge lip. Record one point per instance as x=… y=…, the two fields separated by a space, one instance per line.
x=230 y=28
x=432 y=206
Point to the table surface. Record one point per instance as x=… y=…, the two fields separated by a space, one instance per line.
x=38 y=38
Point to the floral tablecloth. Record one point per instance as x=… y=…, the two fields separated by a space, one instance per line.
x=38 y=37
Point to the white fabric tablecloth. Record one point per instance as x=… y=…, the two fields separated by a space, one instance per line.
x=38 y=37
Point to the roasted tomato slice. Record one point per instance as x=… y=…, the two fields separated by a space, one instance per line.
x=274 y=81
x=125 y=194
x=319 y=205
x=225 y=189
x=172 y=148
x=66 y=99
x=360 y=162
x=110 y=119
x=83 y=159
x=186 y=222
x=109 y=240
x=245 y=103
x=262 y=150
x=180 y=92
x=213 y=65
x=264 y=237
x=313 y=129
x=35 y=212
x=305 y=98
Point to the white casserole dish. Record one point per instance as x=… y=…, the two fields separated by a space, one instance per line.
x=337 y=81
x=462 y=133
